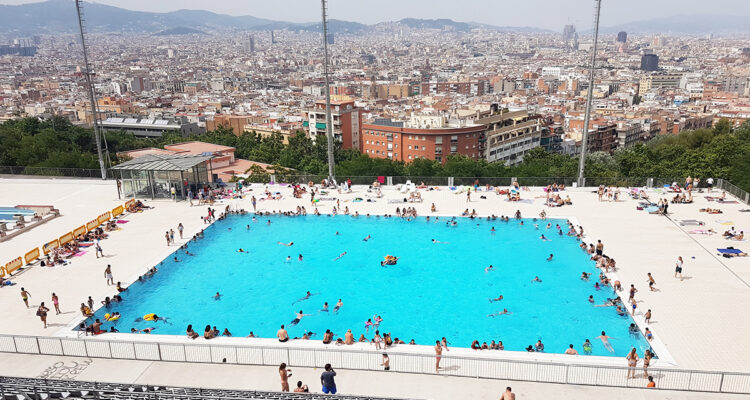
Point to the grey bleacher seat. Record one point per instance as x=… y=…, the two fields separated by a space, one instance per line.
x=12 y=388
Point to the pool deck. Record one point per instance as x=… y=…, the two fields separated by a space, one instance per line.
x=373 y=383
x=694 y=318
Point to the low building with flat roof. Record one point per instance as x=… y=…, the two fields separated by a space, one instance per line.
x=147 y=127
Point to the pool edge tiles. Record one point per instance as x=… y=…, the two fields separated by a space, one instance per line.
x=291 y=221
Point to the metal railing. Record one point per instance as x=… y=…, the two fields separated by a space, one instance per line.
x=30 y=388
x=722 y=184
x=339 y=357
x=486 y=180
x=727 y=186
x=51 y=171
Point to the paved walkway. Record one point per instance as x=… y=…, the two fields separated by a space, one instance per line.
x=695 y=318
x=375 y=383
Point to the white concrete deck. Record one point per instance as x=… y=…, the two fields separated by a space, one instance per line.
x=701 y=319
x=374 y=383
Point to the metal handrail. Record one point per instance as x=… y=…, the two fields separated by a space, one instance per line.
x=727 y=186
x=461 y=366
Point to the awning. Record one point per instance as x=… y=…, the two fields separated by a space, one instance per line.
x=163 y=162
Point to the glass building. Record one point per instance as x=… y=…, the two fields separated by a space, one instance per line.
x=153 y=176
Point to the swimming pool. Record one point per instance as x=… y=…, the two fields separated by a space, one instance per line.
x=436 y=289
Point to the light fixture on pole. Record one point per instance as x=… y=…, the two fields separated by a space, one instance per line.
x=590 y=93
x=91 y=93
x=329 y=118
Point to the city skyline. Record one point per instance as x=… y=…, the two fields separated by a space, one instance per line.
x=544 y=14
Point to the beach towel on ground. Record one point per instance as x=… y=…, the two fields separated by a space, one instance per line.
x=729 y=251
x=691 y=222
x=122 y=221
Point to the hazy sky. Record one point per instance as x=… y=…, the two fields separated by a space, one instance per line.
x=549 y=14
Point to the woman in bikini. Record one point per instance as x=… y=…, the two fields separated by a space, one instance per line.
x=632 y=362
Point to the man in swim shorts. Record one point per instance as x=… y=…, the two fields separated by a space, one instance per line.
x=282 y=335
x=337 y=306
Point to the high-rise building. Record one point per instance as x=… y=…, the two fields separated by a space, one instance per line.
x=139 y=84
x=347 y=122
x=568 y=33
x=273 y=39
x=252 y=44
x=622 y=37
x=649 y=62
x=330 y=38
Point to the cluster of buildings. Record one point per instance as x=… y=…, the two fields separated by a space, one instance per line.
x=397 y=92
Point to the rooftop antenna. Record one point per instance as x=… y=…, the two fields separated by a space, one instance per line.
x=329 y=119
x=92 y=94
x=590 y=94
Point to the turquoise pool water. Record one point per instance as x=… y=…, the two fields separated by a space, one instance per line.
x=435 y=290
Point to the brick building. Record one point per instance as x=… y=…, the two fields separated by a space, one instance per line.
x=434 y=139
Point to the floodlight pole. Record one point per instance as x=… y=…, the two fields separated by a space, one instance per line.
x=92 y=95
x=329 y=118
x=587 y=115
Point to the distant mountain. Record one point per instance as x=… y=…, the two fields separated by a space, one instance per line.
x=686 y=24
x=59 y=16
x=180 y=30
x=435 y=24
x=516 y=29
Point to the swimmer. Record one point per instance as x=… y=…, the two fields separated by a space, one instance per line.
x=438 y=242
x=325 y=307
x=587 y=347
x=217 y=296
x=288 y=259
x=189 y=253
x=339 y=257
x=337 y=306
x=176 y=260
x=248 y=227
x=497 y=299
x=585 y=276
x=298 y=318
x=536 y=279
x=591 y=299
x=241 y=250
x=544 y=238
x=493 y=229
x=307 y=296
x=286 y=244
x=499 y=313
x=490 y=268
x=550 y=257
x=299 y=258
x=365 y=239
x=605 y=341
